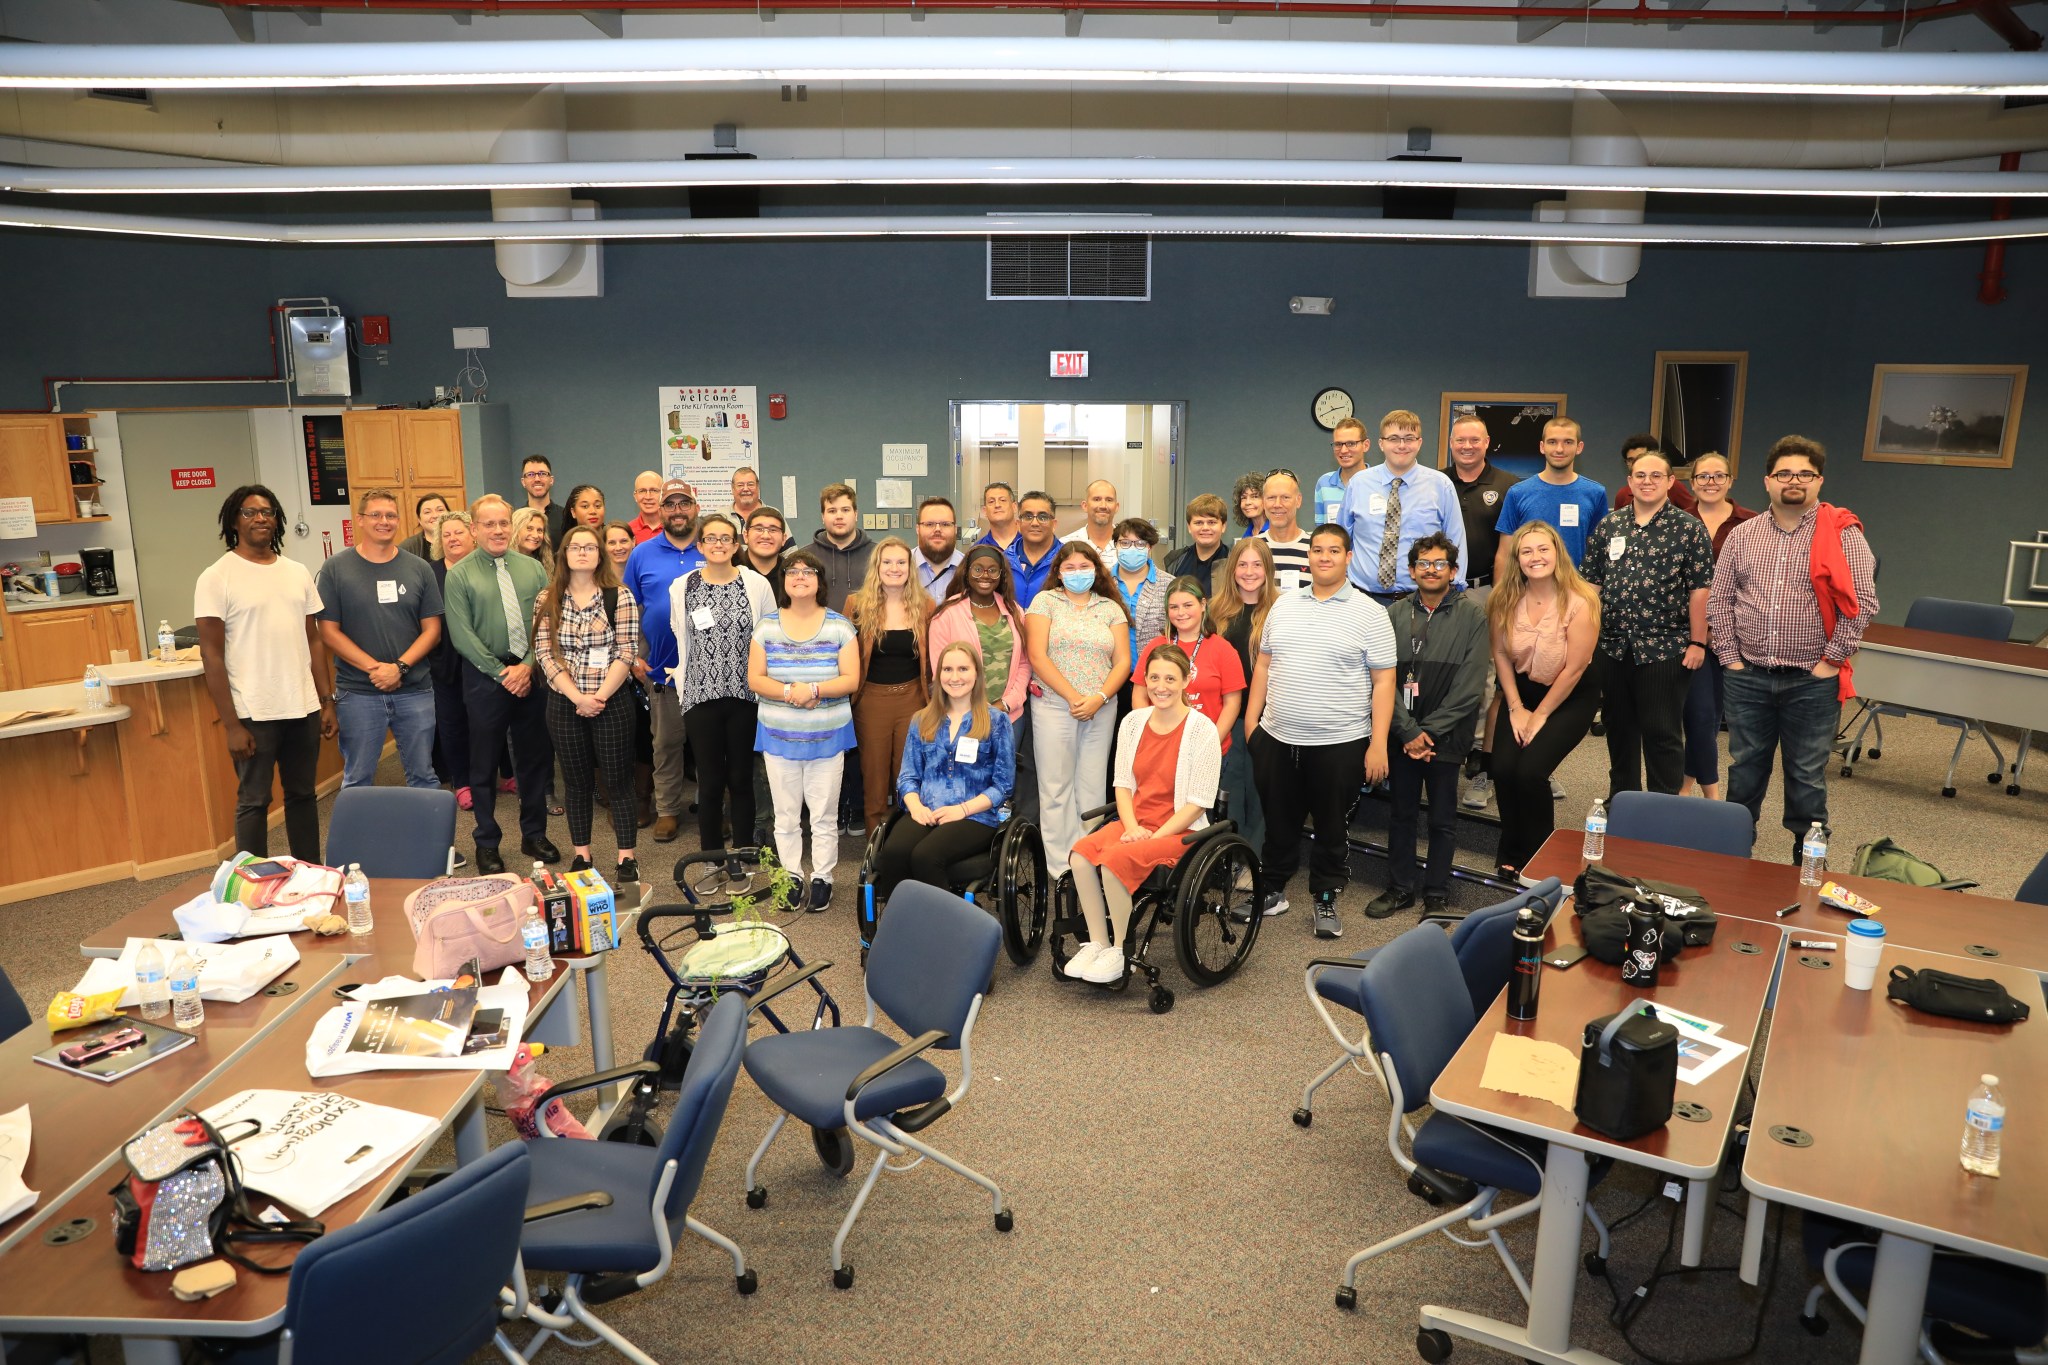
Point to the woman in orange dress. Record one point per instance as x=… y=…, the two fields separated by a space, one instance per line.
x=1168 y=762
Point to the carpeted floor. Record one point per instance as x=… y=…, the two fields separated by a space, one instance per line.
x=1167 y=1209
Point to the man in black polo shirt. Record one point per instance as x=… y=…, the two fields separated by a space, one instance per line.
x=1481 y=485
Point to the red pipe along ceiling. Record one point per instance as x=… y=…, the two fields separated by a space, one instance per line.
x=1991 y=280
x=1639 y=13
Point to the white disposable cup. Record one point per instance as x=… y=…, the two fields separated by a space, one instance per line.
x=1861 y=950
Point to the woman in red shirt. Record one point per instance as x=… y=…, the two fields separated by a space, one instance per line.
x=1217 y=685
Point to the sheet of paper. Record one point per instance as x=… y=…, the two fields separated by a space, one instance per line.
x=788 y=496
x=15 y=1197
x=1701 y=1055
x=903 y=460
x=893 y=493
x=1526 y=1066
x=1690 y=1023
x=17 y=518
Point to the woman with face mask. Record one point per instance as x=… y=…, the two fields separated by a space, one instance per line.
x=1168 y=763
x=1079 y=637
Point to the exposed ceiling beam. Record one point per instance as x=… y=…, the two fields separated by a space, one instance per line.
x=1998 y=16
x=611 y=23
x=1528 y=30
x=242 y=21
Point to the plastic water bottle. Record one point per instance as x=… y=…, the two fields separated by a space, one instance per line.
x=355 y=890
x=533 y=931
x=1596 y=831
x=1813 y=855
x=1983 y=1126
x=166 y=643
x=152 y=998
x=188 y=1012
x=95 y=689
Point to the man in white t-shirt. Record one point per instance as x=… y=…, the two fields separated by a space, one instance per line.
x=1102 y=507
x=266 y=671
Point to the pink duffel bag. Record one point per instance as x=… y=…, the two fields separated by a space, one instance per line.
x=457 y=918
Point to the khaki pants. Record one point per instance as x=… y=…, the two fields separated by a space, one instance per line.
x=881 y=725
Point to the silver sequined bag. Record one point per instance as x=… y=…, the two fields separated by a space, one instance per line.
x=182 y=1201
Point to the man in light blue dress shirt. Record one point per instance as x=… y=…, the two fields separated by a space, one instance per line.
x=1392 y=505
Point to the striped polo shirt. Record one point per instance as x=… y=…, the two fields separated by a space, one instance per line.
x=1319 y=667
x=803 y=732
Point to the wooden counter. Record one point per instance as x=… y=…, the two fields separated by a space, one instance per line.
x=142 y=789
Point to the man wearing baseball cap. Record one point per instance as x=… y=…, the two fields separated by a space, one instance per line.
x=650 y=569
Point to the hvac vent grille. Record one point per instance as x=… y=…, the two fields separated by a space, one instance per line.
x=1115 y=267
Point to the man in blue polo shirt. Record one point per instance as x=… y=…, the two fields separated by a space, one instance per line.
x=1032 y=551
x=1559 y=494
x=652 y=567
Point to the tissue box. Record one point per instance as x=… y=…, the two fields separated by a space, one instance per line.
x=593 y=914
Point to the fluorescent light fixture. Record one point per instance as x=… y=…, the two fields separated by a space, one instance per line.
x=1281 y=174
x=1059 y=61
x=1005 y=224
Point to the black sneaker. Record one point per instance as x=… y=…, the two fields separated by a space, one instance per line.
x=1384 y=904
x=1327 y=923
x=579 y=863
x=628 y=871
x=1435 y=904
x=821 y=895
x=488 y=863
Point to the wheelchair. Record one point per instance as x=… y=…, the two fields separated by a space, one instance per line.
x=1210 y=898
x=1008 y=880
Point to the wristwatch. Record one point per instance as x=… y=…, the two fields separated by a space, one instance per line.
x=403 y=668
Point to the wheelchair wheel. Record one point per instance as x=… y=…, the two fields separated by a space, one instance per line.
x=1023 y=893
x=834 y=1147
x=1217 y=919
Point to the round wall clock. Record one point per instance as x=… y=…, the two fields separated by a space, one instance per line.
x=1330 y=407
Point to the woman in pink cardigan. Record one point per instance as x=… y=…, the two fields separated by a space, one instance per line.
x=981 y=611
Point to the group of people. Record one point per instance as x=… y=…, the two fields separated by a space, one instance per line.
x=1023 y=674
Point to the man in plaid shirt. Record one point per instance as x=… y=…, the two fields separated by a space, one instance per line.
x=1792 y=594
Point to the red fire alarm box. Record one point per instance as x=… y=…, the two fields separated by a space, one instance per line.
x=376 y=331
x=778 y=406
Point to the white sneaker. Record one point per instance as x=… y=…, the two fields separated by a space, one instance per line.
x=1556 y=790
x=1079 y=962
x=1106 y=966
x=1479 y=793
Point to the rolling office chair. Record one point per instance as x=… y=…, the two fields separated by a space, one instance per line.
x=2034 y=891
x=1484 y=944
x=1419 y=1016
x=1979 y=621
x=927 y=968
x=387 y=1289
x=1683 y=822
x=1976 y=1309
x=616 y=1207
x=393 y=831
x=14 y=1015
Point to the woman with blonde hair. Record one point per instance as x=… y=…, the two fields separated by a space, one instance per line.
x=530 y=537
x=1246 y=589
x=892 y=615
x=1544 y=620
x=585 y=630
x=958 y=767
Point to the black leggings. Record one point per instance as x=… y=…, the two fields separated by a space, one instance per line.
x=1521 y=776
x=587 y=745
x=721 y=734
x=922 y=853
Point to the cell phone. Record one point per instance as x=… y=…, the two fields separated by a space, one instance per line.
x=264 y=871
x=1565 y=955
x=78 y=1054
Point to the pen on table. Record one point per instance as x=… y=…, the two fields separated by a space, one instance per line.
x=1788 y=909
x=1815 y=943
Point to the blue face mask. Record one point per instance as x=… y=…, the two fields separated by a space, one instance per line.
x=1077 y=580
x=1131 y=558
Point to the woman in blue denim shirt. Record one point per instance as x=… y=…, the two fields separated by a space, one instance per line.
x=959 y=764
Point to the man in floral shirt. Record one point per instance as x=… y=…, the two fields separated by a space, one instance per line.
x=1653 y=565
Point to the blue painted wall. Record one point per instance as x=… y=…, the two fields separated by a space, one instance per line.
x=870 y=340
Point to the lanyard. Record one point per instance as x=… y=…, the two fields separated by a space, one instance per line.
x=1418 y=641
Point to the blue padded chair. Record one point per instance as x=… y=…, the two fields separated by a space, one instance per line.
x=1683 y=822
x=387 y=1289
x=1484 y=944
x=927 y=968
x=2034 y=891
x=2002 y=1308
x=623 y=1204
x=1419 y=1017
x=1979 y=621
x=14 y=1015
x=392 y=831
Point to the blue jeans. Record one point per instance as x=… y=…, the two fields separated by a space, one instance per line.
x=1790 y=712
x=1703 y=722
x=364 y=717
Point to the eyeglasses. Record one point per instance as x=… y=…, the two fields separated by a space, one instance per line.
x=1132 y=545
x=536 y=474
x=1034 y=516
x=798 y=571
x=1432 y=565
x=1399 y=439
x=1793 y=475
x=256 y=513
x=1346 y=445
x=936 y=525
x=1710 y=478
x=678 y=502
x=1649 y=475
x=718 y=541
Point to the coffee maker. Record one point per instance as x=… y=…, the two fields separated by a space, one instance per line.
x=99 y=571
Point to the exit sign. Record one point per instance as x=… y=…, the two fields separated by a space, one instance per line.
x=1069 y=364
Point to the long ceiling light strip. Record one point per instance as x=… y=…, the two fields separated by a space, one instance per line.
x=1063 y=61
x=1012 y=171
x=960 y=225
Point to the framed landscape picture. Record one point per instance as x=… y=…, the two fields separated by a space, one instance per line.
x=1696 y=405
x=1514 y=424
x=1945 y=414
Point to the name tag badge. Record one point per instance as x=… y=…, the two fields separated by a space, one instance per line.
x=387 y=590
x=702 y=618
x=1290 y=579
x=1617 y=546
x=601 y=654
x=1568 y=514
x=1411 y=692
x=968 y=749
x=1376 y=504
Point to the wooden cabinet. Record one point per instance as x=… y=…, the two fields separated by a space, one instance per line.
x=372 y=440
x=433 y=448
x=54 y=646
x=33 y=465
x=410 y=452
x=450 y=494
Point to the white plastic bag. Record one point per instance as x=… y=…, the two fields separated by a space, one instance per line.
x=228 y=972
x=327 y=1051
x=206 y=920
x=315 y=1149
